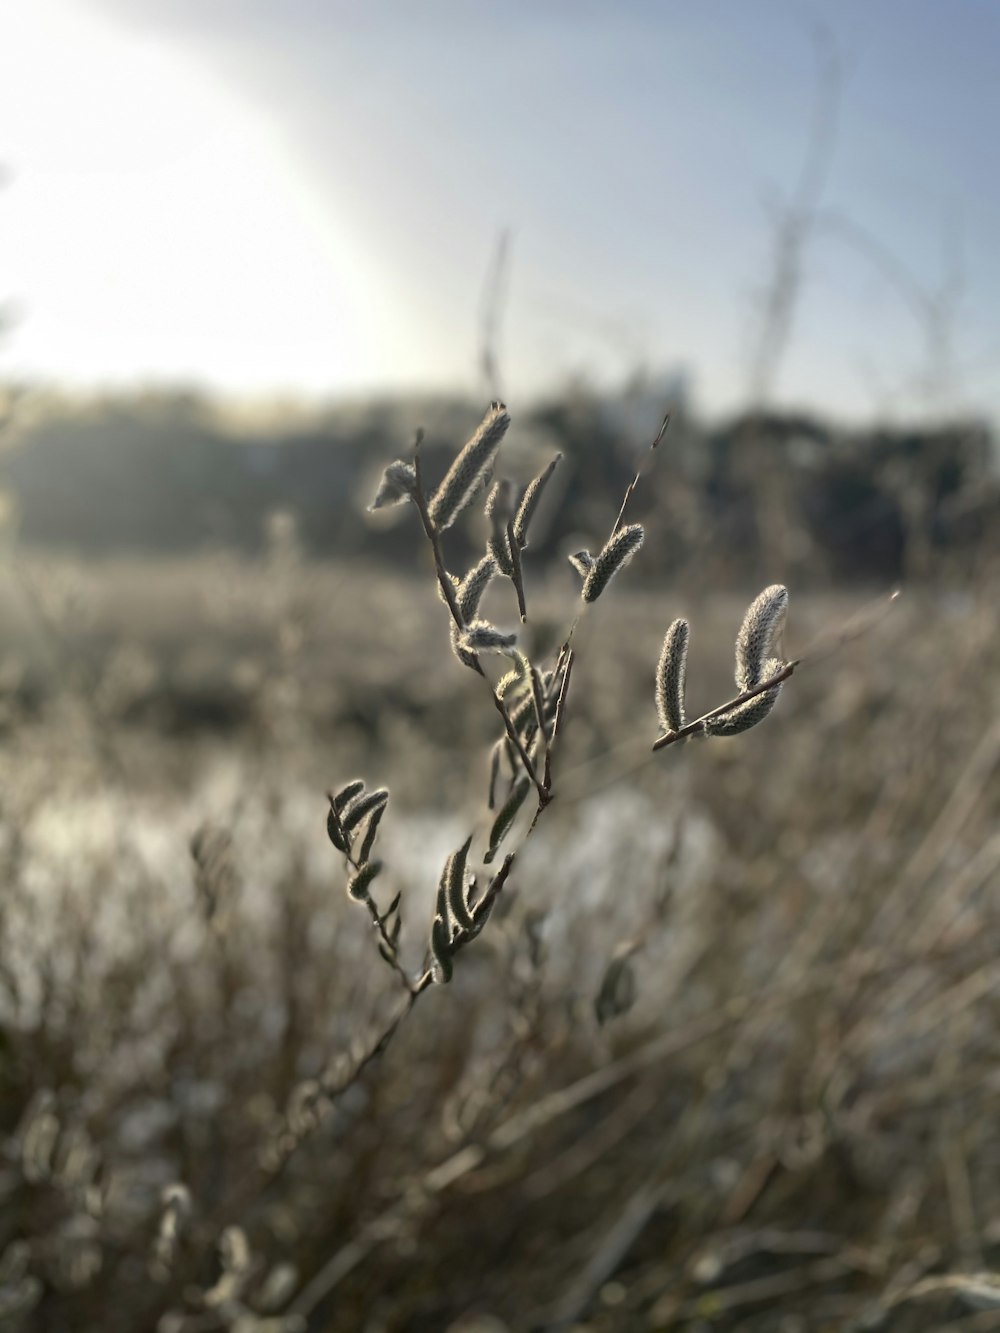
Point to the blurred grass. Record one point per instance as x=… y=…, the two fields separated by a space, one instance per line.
x=793 y=1124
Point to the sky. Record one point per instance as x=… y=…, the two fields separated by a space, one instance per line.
x=306 y=197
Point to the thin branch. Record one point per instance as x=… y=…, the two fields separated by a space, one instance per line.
x=378 y=921
x=670 y=737
x=491 y=312
x=560 y=711
x=448 y=591
x=517 y=577
x=858 y=624
x=630 y=489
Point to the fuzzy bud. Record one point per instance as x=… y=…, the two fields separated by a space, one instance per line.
x=398 y=484
x=529 y=502
x=755 y=643
x=748 y=714
x=670 y=677
x=616 y=554
x=470 y=469
x=481 y=636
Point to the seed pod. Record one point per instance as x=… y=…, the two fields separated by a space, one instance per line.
x=470 y=468
x=670 y=677
x=529 y=502
x=481 y=636
x=747 y=715
x=398 y=484
x=755 y=642
x=618 y=551
x=359 y=883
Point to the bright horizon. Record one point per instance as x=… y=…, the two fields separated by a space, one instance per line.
x=265 y=200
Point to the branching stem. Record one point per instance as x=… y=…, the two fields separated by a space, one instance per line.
x=448 y=591
x=692 y=728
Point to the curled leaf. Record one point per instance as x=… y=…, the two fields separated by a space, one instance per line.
x=453 y=885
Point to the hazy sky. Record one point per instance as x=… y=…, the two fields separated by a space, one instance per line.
x=265 y=195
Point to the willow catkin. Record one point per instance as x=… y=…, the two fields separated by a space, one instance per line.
x=506 y=816
x=470 y=469
x=499 y=510
x=616 y=554
x=453 y=886
x=468 y=594
x=398 y=484
x=441 y=951
x=755 y=643
x=529 y=502
x=481 y=636
x=748 y=714
x=517 y=675
x=582 y=562
x=339 y=799
x=670 y=677
x=355 y=811
x=360 y=882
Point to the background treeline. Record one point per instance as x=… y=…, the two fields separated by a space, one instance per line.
x=167 y=474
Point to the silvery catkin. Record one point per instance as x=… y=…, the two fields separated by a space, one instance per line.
x=670 y=677
x=470 y=468
x=755 y=642
x=616 y=554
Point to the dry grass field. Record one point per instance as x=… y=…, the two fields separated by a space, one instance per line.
x=724 y=1058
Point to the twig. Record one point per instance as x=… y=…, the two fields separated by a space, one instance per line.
x=448 y=591
x=691 y=728
x=630 y=489
x=517 y=576
x=857 y=625
x=378 y=921
x=525 y=1123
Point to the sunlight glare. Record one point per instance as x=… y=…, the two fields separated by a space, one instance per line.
x=153 y=227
